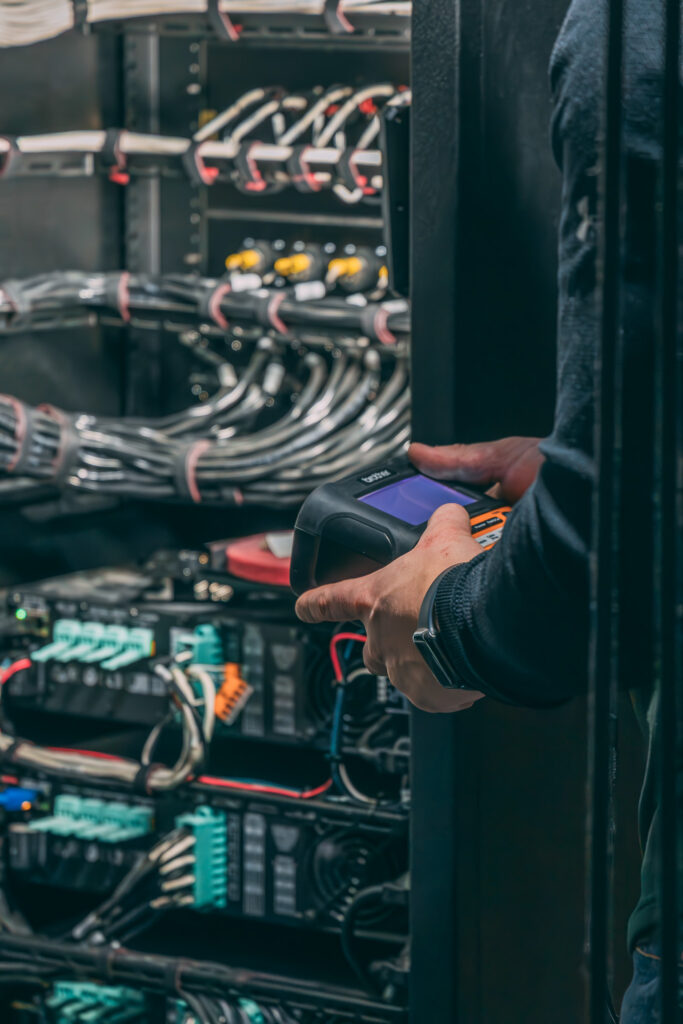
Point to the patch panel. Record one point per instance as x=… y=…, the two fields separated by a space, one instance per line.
x=272 y=676
x=259 y=859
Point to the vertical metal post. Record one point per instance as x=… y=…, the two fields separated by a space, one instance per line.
x=444 y=905
x=143 y=215
x=667 y=520
x=604 y=650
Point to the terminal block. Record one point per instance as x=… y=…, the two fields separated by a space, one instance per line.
x=96 y=820
x=92 y=643
x=210 y=851
x=73 y=1001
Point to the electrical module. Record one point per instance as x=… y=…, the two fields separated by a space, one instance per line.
x=205 y=804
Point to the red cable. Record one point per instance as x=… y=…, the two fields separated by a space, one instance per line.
x=334 y=657
x=17 y=666
x=210 y=780
x=86 y=753
x=254 y=787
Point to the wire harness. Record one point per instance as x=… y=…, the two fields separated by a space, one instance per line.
x=266 y=140
x=289 y=419
x=29 y=21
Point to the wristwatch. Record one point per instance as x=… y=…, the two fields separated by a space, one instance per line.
x=430 y=644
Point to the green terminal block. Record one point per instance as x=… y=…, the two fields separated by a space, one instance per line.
x=208 y=648
x=251 y=1011
x=88 y=1003
x=204 y=643
x=96 y=820
x=210 y=851
x=112 y=647
x=65 y=634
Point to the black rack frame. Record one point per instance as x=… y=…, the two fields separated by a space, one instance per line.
x=447 y=305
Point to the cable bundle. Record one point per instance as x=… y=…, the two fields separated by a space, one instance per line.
x=91 y=766
x=270 y=140
x=283 y=312
x=28 y=21
x=346 y=412
x=161 y=879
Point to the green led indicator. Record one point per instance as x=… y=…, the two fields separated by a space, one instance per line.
x=20 y=614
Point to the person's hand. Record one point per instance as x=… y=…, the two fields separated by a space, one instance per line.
x=388 y=603
x=511 y=464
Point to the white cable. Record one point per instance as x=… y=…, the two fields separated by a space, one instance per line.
x=330 y=97
x=229 y=114
x=178 y=883
x=176 y=848
x=344 y=112
x=176 y=865
x=209 y=693
x=23 y=22
x=355 y=793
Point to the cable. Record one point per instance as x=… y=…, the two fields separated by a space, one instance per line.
x=18 y=666
x=267 y=788
x=23 y=22
x=369 y=895
x=91 y=765
x=327 y=413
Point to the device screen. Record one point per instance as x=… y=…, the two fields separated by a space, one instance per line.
x=414 y=499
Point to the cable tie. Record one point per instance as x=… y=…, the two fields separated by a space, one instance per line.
x=210 y=305
x=11 y=752
x=185 y=469
x=142 y=778
x=80 y=9
x=11 y=161
x=349 y=174
x=16 y=294
x=335 y=19
x=266 y=309
x=222 y=25
x=113 y=159
x=117 y=294
x=302 y=177
x=374 y=321
x=104 y=962
x=69 y=443
x=195 y=168
x=248 y=176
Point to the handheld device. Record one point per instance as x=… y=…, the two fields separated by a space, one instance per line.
x=354 y=526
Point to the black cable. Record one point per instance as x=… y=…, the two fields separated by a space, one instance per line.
x=370 y=895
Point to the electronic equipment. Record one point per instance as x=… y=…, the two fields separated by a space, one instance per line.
x=92 y=637
x=356 y=525
x=260 y=857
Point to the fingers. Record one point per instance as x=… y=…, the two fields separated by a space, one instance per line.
x=337 y=602
x=471 y=463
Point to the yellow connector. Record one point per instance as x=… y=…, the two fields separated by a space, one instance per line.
x=288 y=266
x=244 y=260
x=345 y=267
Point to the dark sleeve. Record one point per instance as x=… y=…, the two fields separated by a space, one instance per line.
x=516 y=620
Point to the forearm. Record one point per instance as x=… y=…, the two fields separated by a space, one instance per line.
x=515 y=620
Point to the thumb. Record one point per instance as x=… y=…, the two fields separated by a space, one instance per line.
x=471 y=463
x=447 y=525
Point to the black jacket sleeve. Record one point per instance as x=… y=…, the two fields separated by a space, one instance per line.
x=516 y=620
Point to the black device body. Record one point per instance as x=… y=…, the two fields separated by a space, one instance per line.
x=354 y=526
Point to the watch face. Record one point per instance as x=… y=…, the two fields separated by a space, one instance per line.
x=429 y=647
